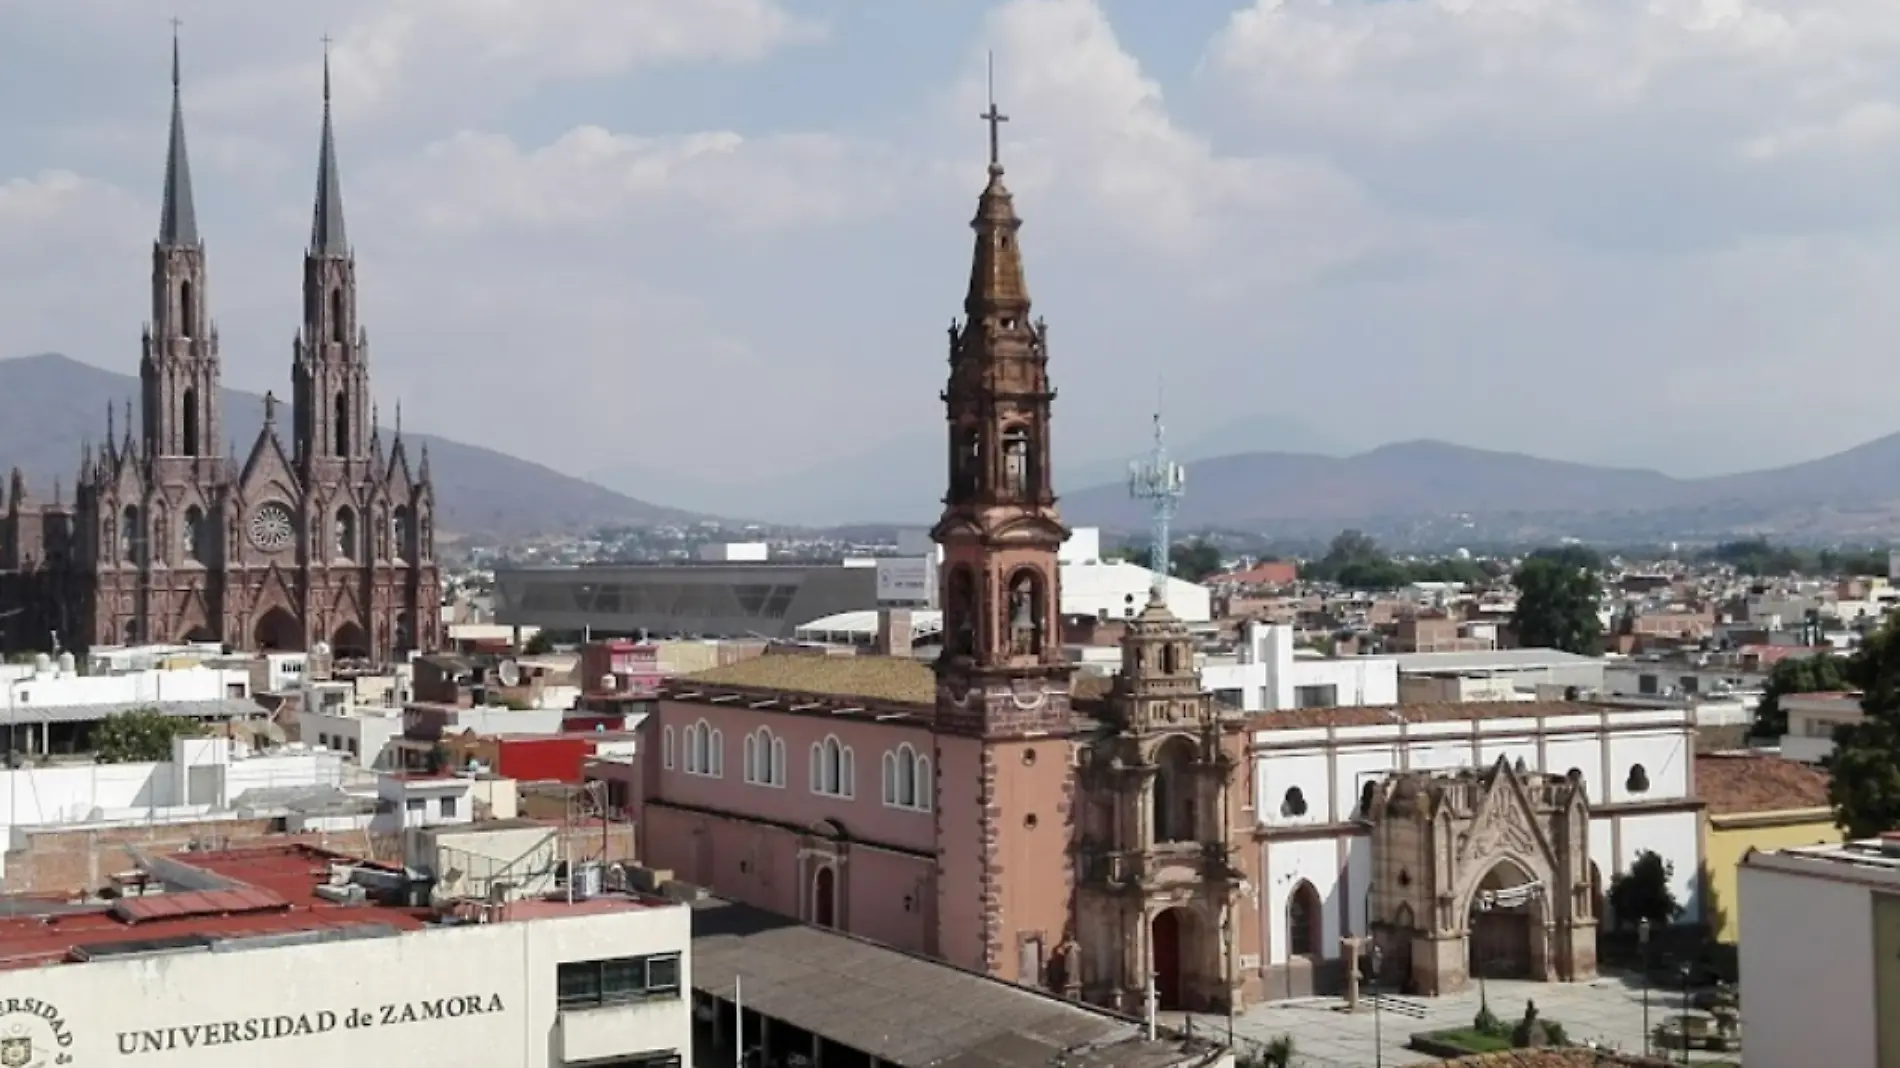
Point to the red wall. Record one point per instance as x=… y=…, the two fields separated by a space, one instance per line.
x=541 y=759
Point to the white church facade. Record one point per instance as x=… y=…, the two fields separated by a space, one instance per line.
x=1539 y=807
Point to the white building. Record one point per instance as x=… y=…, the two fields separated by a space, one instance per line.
x=1812 y=720
x=1269 y=675
x=205 y=777
x=1821 y=935
x=47 y=700
x=1312 y=767
x=298 y=957
x=330 y=718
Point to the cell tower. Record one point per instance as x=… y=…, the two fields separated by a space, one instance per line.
x=1159 y=481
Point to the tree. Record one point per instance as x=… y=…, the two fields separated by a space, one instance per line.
x=1824 y=673
x=1643 y=892
x=1864 y=772
x=1557 y=606
x=538 y=644
x=143 y=735
x=1195 y=560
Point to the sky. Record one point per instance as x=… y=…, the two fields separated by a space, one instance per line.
x=726 y=236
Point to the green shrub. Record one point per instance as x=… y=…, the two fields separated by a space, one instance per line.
x=1487 y=1022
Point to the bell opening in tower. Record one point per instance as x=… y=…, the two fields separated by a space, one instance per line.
x=337 y=332
x=966 y=464
x=190 y=405
x=187 y=327
x=342 y=425
x=1027 y=609
x=960 y=603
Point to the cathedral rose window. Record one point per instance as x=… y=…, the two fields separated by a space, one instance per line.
x=271 y=527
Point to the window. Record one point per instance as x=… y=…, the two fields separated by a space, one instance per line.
x=833 y=768
x=581 y=984
x=907 y=782
x=1028 y=613
x=666 y=748
x=1019 y=474
x=129 y=535
x=399 y=532
x=345 y=533
x=1638 y=782
x=1294 y=805
x=448 y=808
x=1323 y=696
x=704 y=745
x=417 y=805
x=764 y=758
x=194 y=534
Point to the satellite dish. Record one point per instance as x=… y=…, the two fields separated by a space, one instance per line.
x=509 y=673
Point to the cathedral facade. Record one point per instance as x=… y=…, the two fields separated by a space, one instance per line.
x=320 y=534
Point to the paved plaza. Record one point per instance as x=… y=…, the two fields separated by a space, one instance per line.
x=1608 y=1011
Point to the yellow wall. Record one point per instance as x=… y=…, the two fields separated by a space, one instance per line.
x=1726 y=839
x=1887 y=978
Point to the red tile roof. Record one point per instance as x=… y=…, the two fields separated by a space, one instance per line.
x=1736 y=783
x=236 y=902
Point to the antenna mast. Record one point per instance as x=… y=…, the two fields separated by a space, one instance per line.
x=1159 y=481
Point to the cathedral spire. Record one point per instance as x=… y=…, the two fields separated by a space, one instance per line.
x=178 y=220
x=326 y=227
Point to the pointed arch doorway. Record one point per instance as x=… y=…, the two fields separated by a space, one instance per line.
x=278 y=631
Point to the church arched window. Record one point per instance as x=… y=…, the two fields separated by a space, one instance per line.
x=341 y=425
x=191 y=537
x=966 y=461
x=129 y=537
x=190 y=420
x=187 y=310
x=1019 y=463
x=960 y=615
x=399 y=532
x=346 y=533
x=1028 y=613
x=339 y=330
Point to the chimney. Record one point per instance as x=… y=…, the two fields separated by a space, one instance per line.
x=893 y=632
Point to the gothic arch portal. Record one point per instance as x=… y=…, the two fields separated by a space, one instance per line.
x=1482 y=872
x=350 y=642
x=278 y=631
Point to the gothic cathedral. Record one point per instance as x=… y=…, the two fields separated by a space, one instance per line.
x=169 y=539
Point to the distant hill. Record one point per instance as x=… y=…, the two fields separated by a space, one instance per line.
x=1420 y=478
x=900 y=481
x=49 y=404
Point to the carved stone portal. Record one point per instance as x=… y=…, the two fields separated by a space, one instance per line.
x=1481 y=872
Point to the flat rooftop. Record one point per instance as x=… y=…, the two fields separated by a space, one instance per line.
x=907 y=1011
x=232 y=900
x=1869 y=862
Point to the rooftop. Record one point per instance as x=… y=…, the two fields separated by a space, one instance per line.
x=1739 y=783
x=906 y=1011
x=1871 y=862
x=890 y=679
x=876 y=678
x=1568 y=1057
x=223 y=901
x=1448 y=712
x=1491 y=660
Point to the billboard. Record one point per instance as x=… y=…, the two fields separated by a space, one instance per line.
x=908 y=580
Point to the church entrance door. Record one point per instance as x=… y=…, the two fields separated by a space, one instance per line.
x=824 y=898
x=279 y=632
x=1502 y=923
x=1166 y=947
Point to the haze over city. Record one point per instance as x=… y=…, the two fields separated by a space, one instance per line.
x=592 y=232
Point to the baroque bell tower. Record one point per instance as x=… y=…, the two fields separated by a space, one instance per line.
x=1003 y=717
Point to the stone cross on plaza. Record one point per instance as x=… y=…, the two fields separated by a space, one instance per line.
x=1352 y=945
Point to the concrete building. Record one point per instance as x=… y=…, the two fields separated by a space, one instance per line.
x=49 y=707
x=740 y=598
x=1268 y=675
x=1812 y=720
x=1821 y=934
x=301 y=957
x=1492 y=670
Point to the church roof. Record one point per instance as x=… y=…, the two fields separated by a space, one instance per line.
x=891 y=679
x=874 y=678
x=1448 y=712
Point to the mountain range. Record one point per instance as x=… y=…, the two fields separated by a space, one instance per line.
x=1258 y=490
x=1257 y=475
x=51 y=404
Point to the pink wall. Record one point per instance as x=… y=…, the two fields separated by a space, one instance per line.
x=960 y=904
x=864 y=817
x=881 y=895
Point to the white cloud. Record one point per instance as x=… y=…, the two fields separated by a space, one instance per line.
x=53 y=228
x=589 y=177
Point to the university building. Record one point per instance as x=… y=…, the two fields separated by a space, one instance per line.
x=994 y=810
x=321 y=534
x=291 y=956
